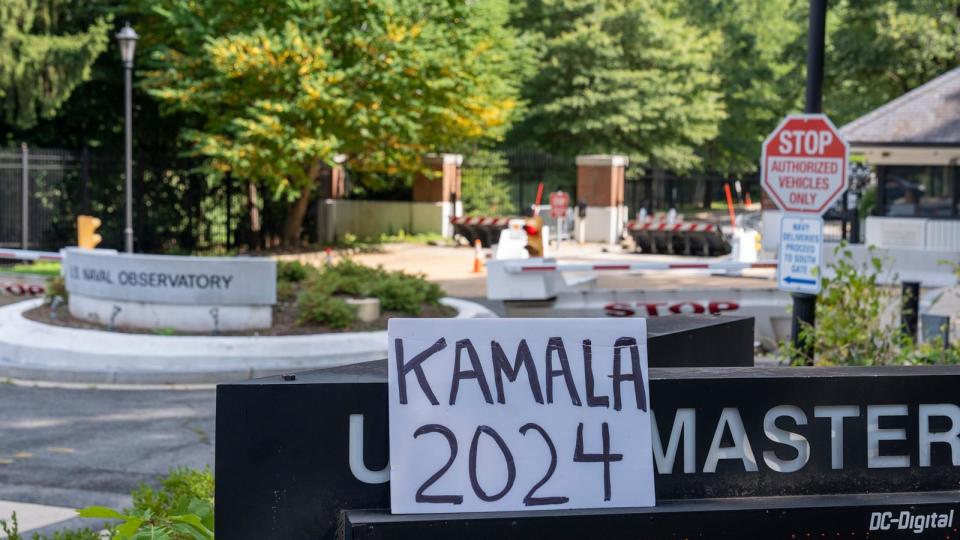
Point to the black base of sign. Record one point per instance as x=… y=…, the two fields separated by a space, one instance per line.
x=293 y=455
x=881 y=515
x=283 y=453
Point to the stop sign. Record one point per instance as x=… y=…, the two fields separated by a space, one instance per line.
x=559 y=201
x=804 y=164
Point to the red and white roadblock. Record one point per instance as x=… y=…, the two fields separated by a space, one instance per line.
x=29 y=255
x=550 y=288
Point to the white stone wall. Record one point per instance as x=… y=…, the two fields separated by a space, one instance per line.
x=370 y=219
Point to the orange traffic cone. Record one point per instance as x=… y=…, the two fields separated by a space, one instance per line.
x=748 y=201
x=477 y=256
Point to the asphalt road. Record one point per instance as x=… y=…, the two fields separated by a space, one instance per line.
x=75 y=447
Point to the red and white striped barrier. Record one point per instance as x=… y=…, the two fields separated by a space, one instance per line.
x=30 y=255
x=671 y=227
x=480 y=220
x=522 y=267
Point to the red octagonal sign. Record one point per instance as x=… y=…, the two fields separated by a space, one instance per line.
x=804 y=164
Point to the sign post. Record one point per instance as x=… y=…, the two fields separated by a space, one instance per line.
x=804 y=170
x=559 y=202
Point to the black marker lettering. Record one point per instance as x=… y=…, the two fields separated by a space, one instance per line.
x=555 y=344
x=604 y=457
x=507 y=457
x=475 y=373
x=592 y=400
x=501 y=365
x=636 y=374
x=414 y=365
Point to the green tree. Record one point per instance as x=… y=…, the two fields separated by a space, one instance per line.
x=40 y=63
x=628 y=76
x=757 y=62
x=880 y=49
x=284 y=87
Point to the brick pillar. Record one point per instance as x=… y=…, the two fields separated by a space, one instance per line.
x=600 y=184
x=332 y=183
x=437 y=195
x=330 y=187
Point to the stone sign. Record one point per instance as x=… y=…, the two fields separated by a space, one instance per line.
x=171 y=280
x=159 y=291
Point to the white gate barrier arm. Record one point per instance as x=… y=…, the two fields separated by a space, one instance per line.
x=542 y=279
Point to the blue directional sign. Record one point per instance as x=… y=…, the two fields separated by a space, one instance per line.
x=801 y=251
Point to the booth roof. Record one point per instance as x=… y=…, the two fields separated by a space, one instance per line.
x=928 y=115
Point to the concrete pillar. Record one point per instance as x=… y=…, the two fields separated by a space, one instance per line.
x=600 y=184
x=440 y=188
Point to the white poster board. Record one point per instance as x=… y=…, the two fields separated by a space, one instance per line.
x=518 y=414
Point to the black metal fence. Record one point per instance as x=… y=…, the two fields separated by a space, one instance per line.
x=182 y=207
x=178 y=205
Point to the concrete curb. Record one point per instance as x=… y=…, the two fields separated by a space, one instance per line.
x=42 y=352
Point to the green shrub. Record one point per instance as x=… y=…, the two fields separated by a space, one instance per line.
x=850 y=328
x=293 y=271
x=319 y=300
x=407 y=294
x=319 y=307
x=11 y=531
x=180 y=486
x=181 y=509
x=286 y=290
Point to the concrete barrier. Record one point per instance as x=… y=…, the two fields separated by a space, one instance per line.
x=37 y=351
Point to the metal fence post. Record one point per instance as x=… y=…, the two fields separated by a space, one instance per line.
x=910 y=308
x=24 y=196
x=85 y=178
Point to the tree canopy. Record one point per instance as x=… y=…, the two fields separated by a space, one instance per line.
x=880 y=49
x=282 y=86
x=46 y=50
x=625 y=76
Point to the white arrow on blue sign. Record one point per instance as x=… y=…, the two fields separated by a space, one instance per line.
x=801 y=251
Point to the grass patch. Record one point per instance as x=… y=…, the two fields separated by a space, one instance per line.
x=41 y=268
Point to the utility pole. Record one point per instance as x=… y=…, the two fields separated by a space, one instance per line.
x=805 y=305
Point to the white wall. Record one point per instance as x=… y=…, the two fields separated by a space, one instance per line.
x=604 y=223
x=370 y=219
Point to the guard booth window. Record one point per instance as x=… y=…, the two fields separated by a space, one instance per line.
x=929 y=192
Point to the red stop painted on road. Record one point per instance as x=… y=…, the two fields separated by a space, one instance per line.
x=804 y=164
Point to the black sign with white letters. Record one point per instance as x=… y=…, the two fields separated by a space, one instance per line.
x=777 y=451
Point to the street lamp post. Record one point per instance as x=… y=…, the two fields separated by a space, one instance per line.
x=127 y=38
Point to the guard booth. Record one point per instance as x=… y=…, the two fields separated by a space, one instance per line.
x=912 y=147
x=739 y=452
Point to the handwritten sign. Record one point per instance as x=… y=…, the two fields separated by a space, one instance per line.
x=518 y=414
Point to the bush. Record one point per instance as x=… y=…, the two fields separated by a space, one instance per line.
x=854 y=326
x=182 y=509
x=319 y=301
x=293 y=271
x=405 y=293
x=177 y=489
x=11 y=531
x=319 y=307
